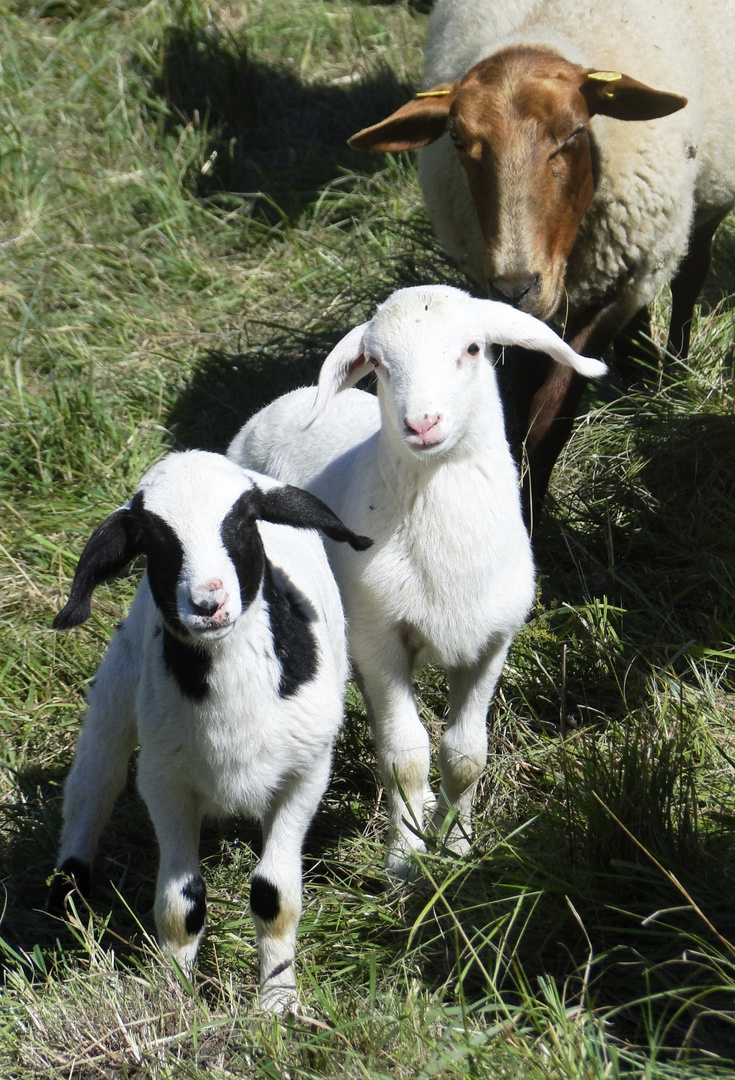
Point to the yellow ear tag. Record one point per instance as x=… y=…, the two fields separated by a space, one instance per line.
x=433 y=93
x=605 y=76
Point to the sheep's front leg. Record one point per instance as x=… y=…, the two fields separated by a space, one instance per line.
x=401 y=742
x=180 y=907
x=463 y=748
x=275 y=888
x=98 y=774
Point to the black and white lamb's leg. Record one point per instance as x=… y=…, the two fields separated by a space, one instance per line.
x=401 y=741
x=463 y=747
x=275 y=888
x=98 y=774
x=180 y=906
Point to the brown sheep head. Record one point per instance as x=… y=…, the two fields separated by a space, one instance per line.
x=519 y=121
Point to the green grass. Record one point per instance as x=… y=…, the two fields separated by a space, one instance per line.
x=184 y=234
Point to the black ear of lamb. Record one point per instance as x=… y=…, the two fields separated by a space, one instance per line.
x=293 y=506
x=116 y=542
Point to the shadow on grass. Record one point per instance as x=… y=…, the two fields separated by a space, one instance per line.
x=642 y=553
x=568 y=899
x=225 y=389
x=622 y=943
x=269 y=131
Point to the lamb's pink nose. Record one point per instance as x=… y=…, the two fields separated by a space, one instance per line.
x=209 y=598
x=422 y=427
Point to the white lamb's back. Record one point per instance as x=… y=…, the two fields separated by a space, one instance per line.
x=285 y=440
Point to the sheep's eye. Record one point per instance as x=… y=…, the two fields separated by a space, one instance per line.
x=374 y=361
x=571 y=139
x=456 y=140
x=473 y=349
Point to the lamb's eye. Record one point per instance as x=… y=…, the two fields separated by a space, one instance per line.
x=473 y=349
x=374 y=361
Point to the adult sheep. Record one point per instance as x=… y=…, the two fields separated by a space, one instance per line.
x=538 y=186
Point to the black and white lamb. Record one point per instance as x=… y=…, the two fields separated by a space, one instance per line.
x=229 y=672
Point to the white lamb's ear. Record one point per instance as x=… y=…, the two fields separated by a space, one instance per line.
x=505 y=325
x=345 y=365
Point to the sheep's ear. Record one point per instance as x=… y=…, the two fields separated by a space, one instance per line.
x=345 y=365
x=505 y=325
x=415 y=124
x=290 y=505
x=611 y=93
x=108 y=550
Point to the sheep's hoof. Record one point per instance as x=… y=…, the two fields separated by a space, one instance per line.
x=453 y=832
x=184 y=957
x=73 y=876
x=397 y=864
x=279 y=999
x=457 y=841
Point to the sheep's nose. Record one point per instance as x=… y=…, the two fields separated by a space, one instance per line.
x=205 y=606
x=422 y=427
x=208 y=598
x=511 y=288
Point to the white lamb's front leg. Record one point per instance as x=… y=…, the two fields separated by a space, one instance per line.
x=401 y=743
x=463 y=748
x=180 y=907
x=275 y=889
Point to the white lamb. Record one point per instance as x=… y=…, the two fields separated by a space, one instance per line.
x=229 y=672
x=425 y=469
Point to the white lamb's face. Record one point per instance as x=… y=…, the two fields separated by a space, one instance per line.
x=197 y=543
x=427 y=397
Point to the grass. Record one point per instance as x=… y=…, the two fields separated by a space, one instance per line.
x=184 y=234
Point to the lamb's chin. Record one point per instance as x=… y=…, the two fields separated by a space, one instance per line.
x=205 y=635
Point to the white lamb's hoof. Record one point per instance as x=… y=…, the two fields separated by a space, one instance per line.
x=279 y=999
x=397 y=864
x=456 y=834
x=458 y=841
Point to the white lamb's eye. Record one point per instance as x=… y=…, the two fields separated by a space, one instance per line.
x=473 y=349
x=374 y=361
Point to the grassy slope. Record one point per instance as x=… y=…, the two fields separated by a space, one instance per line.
x=184 y=234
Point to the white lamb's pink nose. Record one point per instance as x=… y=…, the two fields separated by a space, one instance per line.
x=422 y=427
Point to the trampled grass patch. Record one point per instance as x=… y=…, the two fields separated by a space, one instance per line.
x=184 y=234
